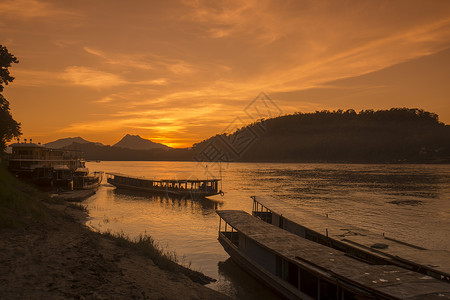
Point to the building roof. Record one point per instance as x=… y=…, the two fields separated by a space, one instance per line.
x=26 y=145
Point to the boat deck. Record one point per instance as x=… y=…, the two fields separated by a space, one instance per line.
x=389 y=281
x=177 y=181
x=434 y=260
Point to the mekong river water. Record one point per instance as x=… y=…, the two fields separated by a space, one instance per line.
x=407 y=202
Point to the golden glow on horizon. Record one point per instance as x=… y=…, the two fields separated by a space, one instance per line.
x=178 y=72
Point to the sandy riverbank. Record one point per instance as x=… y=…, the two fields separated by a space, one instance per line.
x=58 y=257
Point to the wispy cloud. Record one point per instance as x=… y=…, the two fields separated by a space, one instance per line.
x=91 y=78
x=80 y=76
x=125 y=60
x=106 y=99
x=368 y=57
x=31 y=9
x=158 y=81
x=143 y=61
x=251 y=19
x=30 y=77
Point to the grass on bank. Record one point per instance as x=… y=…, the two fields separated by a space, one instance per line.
x=164 y=259
x=19 y=202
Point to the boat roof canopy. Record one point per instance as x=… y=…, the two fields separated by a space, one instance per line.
x=165 y=180
x=436 y=260
x=189 y=180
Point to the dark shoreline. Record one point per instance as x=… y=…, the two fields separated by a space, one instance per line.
x=47 y=252
x=288 y=162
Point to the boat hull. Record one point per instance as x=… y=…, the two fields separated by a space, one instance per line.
x=87 y=182
x=262 y=275
x=166 y=191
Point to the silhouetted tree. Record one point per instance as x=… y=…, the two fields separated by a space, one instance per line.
x=9 y=128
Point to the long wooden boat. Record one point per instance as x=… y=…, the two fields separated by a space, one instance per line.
x=357 y=242
x=298 y=268
x=184 y=187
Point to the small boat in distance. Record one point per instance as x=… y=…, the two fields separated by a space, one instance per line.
x=179 y=187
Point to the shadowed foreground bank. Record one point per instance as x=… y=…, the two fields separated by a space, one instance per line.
x=46 y=253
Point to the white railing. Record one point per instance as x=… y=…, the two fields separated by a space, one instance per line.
x=43 y=157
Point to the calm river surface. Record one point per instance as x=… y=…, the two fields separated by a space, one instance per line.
x=407 y=202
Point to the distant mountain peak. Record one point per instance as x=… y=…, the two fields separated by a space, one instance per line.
x=136 y=142
x=64 y=142
x=128 y=136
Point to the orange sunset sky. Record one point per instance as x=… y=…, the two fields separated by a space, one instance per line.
x=178 y=72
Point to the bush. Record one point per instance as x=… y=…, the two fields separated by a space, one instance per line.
x=19 y=202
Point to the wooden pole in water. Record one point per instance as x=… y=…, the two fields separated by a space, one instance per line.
x=220 y=174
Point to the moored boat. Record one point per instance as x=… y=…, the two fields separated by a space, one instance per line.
x=60 y=169
x=181 y=187
x=298 y=268
x=83 y=180
x=27 y=159
x=62 y=177
x=357 y=242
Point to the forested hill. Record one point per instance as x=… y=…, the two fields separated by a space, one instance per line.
x=386 y=136
x=398 y=135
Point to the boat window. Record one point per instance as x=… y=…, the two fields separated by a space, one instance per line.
x=262 y=212
x=347 y=295
x=292 y=276
x=230 y=233
x=234 y=237
x=328 y=290
x=278 y=266
x=281 y=222
x=308 y=283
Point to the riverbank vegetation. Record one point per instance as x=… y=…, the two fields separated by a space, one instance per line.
x=18 y=201
x=163 y=258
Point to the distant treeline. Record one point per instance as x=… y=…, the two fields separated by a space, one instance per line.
x=93 y=151
x=398 y=135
